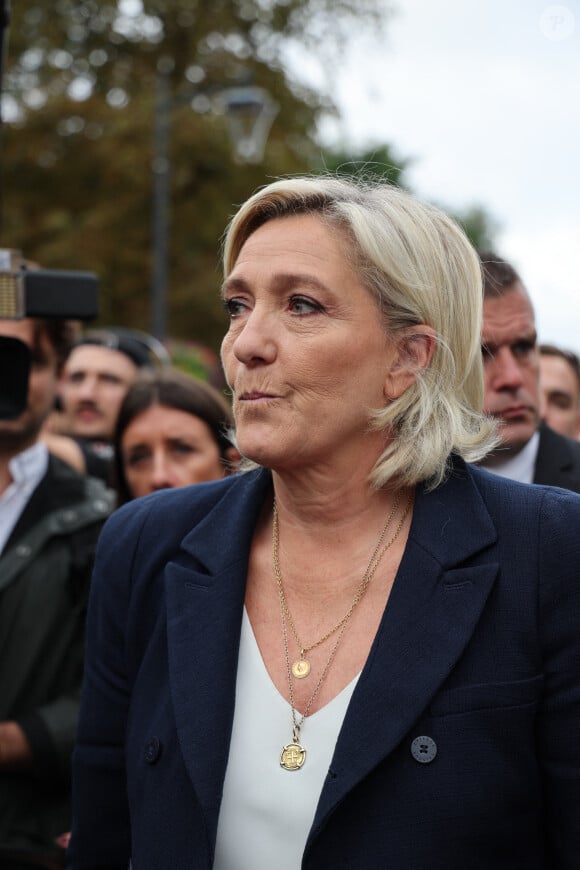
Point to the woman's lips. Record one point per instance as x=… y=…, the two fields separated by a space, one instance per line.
x=256 y=397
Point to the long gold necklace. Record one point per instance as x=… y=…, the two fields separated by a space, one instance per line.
x=301 y=666
x=293 y=754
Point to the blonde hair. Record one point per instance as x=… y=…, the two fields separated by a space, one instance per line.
x=422 y=269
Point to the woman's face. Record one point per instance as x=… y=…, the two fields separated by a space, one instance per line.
x=163 y=447
x=307 y=353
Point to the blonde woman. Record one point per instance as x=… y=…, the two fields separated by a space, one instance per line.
x=363 y=652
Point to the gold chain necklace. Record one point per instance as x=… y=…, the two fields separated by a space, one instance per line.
x=301 y=667
x=293 y=754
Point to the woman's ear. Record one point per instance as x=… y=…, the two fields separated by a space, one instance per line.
x=413 y=351
x=233 y=458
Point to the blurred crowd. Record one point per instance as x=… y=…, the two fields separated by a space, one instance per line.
x=107 y=419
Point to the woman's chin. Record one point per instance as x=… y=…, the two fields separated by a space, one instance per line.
x=258 y=443
x=262 y=454
x=269 y=453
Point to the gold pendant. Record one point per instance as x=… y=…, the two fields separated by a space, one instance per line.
x=293 y=756
x=300 y=668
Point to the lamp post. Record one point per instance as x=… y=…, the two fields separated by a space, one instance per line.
x=160 y=201
x=249 y=113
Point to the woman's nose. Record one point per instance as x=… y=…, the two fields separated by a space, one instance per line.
x=160 y=473
x=255 y=343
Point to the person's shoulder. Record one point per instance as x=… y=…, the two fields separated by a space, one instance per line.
x=502 y=490
x=65 y=448
x=181 y=508
x=59 y=469
x=557 y=460
x=201 y=496
x=550 y=439
x=76 y=492
x=60 y=472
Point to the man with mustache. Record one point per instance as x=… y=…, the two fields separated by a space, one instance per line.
x=529 y=450
x=97 y=374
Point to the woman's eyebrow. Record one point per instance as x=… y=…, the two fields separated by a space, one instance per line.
x=230 y=285
x=282 y=280
x=140 y=446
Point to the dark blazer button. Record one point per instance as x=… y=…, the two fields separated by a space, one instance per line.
x=423 y=749
x=152 y=750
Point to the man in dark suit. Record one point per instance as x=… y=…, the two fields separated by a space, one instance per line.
x=50 y=517
x=529 y=451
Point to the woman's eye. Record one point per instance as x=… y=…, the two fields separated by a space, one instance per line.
x=182 y=449
x=137 y=458
x=234 y=307
x=303 y=305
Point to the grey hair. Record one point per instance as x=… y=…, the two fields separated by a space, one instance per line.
x=422 y=270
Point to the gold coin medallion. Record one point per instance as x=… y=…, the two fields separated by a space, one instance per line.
x=293 y=756
x=300 y=668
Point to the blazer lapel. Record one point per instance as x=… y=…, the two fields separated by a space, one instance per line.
x=437 y=598
x=205 y=588
x=439 y=593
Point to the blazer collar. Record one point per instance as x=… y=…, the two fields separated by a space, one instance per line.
x=205 y=589
x=447 y=571
x=440 y=590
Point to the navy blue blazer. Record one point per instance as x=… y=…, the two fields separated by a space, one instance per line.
x=478 y=650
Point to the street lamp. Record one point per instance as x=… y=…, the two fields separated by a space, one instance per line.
x=249 y=112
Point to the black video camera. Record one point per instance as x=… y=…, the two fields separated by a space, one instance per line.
x=40 y=293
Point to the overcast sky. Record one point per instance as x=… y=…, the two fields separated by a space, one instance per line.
x=485 y=97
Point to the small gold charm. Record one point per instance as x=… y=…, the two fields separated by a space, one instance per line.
x=293 y=756
x=300 y=668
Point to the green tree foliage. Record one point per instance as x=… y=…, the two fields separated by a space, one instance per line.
x=480 y=227
x=78 y=142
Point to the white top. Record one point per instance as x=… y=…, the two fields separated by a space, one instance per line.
x=519 y=467
x=27 y=470
x=267 y=811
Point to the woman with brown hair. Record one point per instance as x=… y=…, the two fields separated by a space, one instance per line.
x=172 y=430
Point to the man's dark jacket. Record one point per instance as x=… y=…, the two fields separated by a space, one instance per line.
x=558 y=460
x=44 y=580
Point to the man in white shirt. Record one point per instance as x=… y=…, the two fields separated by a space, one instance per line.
x=529 y=451
x=50 y=517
